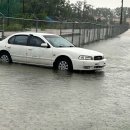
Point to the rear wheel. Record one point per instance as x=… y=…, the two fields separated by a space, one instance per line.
x=64 y=64
x=5 y=58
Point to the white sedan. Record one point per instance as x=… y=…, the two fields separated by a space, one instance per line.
x=49 y=50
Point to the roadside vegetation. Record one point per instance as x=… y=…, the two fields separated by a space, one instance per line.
x=60 y=10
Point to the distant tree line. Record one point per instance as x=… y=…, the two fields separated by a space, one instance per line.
x=60 y=10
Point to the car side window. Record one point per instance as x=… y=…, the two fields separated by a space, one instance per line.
x=11 y=40
x=18 y=40
x=35 y=41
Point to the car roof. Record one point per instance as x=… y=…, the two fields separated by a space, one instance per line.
x=33 y=33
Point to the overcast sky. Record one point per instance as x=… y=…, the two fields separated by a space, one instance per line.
x=105 y=3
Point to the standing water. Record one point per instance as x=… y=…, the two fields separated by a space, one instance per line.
x=37 y=98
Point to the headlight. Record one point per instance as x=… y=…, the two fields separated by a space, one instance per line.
x=84 y=57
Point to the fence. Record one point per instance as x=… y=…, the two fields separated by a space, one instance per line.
x=79 y=33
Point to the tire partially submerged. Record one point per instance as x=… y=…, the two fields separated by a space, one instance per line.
x=5 y=57
x=64 y=64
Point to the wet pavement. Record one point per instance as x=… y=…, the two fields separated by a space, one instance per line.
x=37 y=98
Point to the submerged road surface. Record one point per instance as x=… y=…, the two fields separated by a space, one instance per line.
x=36 y=98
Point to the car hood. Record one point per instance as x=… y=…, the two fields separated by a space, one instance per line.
x=81 y=51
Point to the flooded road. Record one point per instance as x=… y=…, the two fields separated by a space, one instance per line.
x=36 y=98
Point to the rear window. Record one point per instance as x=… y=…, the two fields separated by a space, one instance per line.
x=11 y=40
x=18 y=40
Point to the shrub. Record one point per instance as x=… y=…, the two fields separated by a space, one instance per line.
x=14 y=27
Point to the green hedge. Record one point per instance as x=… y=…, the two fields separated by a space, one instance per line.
x=14 y=27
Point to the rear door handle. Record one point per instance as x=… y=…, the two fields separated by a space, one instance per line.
x=9 y=47
x=30 y=49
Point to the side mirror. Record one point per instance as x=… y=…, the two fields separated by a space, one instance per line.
x=45 y=45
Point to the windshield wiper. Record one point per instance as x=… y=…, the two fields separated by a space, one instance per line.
x=65 y=46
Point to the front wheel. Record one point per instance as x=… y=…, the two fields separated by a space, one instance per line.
x=5 y=58
x=64 y=64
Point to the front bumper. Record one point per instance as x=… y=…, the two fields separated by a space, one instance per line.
x=89 y=64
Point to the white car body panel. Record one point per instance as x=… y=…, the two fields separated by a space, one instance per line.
x=39 y=56
x=81 y=64
x=17 y=56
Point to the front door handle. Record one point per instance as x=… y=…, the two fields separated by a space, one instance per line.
x=9 y=47
x=30 y=49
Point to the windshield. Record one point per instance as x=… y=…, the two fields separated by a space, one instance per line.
x=58 y=41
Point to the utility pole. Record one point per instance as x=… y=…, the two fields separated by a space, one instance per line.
x=8 y=10
x=121 y=17
x=3 y=22
x=23 y=7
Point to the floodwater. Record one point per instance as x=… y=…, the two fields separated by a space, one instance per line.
x=37 y=98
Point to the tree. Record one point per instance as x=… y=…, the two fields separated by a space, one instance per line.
x=125 y=13
x=105 y=14
x=10 y=7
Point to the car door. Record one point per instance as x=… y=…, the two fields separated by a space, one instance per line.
x=36 y=54
x=17 y=47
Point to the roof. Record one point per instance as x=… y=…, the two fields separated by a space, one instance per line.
x=33 y=33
